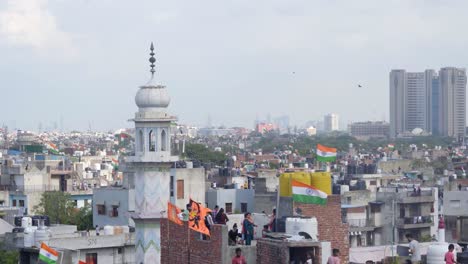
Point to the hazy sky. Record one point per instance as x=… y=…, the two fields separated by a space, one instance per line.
x=82 y=61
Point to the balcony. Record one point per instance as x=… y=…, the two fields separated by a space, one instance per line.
x=360 y=225
x=415 y=222
x=13 y=170
x=417 y=197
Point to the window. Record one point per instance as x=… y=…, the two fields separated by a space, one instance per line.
x=163 y=141
x=402 y=212
x=119 y=250
x=91 y=258
x=348 y=200
x=101 y=209
x=454 y=203
x=140 y=141
x=21 y=203
x=152 y=141
x=243 y=207
x=373 y=183
x=180 y=189
x=171 y=186
x=228 y=208
x=14 y=202
x=114 y=212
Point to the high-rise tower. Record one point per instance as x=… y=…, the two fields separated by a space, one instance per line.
x=150 y=166
x=452 y=102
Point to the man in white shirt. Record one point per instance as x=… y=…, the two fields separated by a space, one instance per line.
x=414 y=249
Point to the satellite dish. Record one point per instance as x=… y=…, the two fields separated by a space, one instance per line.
x=417 y=131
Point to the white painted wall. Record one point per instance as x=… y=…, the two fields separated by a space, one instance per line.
x=194 y=185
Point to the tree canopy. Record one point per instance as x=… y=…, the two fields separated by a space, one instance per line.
x=61 y=210
x=203 y=154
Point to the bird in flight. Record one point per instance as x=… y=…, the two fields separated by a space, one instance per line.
x=359 y=86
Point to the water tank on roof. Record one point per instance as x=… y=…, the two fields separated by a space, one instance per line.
x=307 y=225
x=42 y=235
x=322 y=181
x=436 y=252
x=26 y=221
x=108 y=230
x=29 y=236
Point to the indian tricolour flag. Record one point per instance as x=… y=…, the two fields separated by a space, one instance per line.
x=325 y=153
x=47 y=254
x=304 y=193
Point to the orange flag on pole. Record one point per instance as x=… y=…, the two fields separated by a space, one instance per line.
x=197 y=217
x=173 y=213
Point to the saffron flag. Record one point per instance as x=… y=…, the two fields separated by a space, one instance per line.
x=304 y=193
x=173 y=213
x=325 y=153
x=47 y=254
x=197 y=217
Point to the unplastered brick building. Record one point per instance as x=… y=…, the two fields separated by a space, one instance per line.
x=330 y=225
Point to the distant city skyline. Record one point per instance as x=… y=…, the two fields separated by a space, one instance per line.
x=231 y=60
x=428 y=102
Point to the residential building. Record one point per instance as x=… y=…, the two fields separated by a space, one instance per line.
x=435 y=106
x=188 y=183
x=366 y=130
x=355 y=209
x=265 y=127
x=311 y=131
x=26 y=178
x=456 y=216
x=452 y=102
x=410 y=101
x=331 y=122
x=232 y=200
x=113 y=206
x=409 y=211
x=73 y=246
x=429 y=101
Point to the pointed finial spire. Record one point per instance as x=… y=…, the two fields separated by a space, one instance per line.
x=152 y=60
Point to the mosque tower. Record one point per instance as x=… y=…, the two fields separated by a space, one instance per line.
x=151 y=166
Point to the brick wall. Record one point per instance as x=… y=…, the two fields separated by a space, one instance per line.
x=181 y=245
x=330 y=226
x=269 y=252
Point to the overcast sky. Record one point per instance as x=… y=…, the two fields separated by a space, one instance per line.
x=82 y=61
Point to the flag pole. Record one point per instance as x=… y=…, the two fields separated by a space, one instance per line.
x=277 y=206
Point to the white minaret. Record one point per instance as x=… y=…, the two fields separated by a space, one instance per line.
x=150 y=167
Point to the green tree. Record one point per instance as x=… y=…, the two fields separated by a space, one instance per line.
x=204 y=154
x=58 y=206
x=82 y=218
x=8 y=256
